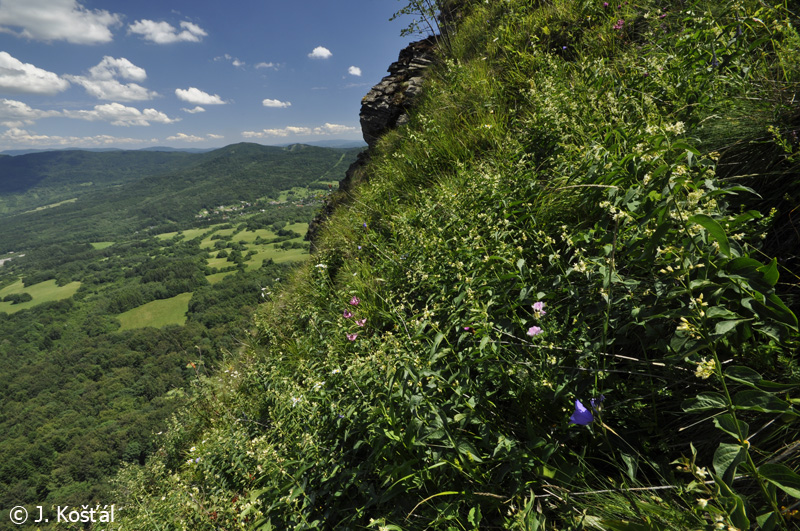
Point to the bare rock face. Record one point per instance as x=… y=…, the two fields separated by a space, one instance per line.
x=383 y=108
x=386 y=105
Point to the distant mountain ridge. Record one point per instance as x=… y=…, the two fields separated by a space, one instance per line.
x=339 y=144
x=128 y=190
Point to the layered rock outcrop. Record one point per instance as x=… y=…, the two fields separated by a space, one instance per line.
x=385 y=107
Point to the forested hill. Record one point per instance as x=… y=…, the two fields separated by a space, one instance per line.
x=97 y=196
x=561 y=296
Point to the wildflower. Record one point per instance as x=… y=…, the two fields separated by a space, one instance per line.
x=705 y=368
x=538 y=308
x=619 y=25
x=534 y=331
x=352 y=337
x=469 y=329
x=295 y=400
x=361 y=322
x=605 y=5
x=354 y=301
x=335 y=371
x=347 y=315
x=581 y=416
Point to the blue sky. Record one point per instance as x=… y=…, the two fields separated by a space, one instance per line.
x=133 y=74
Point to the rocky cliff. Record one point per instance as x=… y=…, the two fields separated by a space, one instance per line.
x=385 y=107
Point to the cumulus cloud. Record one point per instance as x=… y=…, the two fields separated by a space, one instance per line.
x=198 y=97
x=194 y=110
x=110 y=68
x=354 y=71
x=16 y=113
x=17 y=77
x=276 y=103
x=326 y=129
x=56 y=20
x=267 y=65
x=183 y=137
x=118 y=114
x=16 y=136
x=166 y=33
x=101 y=82
x=320 y=52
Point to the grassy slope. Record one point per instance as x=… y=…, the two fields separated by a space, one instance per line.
x=566 y=154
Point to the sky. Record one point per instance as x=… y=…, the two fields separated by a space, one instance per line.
x=189 y=74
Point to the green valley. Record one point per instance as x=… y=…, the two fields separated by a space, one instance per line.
x=114 y=300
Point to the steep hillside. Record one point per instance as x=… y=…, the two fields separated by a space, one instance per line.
x=544 y=302
x=38 y=179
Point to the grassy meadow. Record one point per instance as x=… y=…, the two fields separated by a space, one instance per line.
x=41 y=292
x=158 y=313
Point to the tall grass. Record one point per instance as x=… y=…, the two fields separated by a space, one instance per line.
x=540 y=309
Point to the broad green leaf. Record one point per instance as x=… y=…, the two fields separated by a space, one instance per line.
x=704 y=402
x=735 y=428
x=784 y=314
x=768 y=521
x=732 y=503
x=715 y=230
x=718 y=312
x=727 y=457
x=723 y=327
x=770 y=272
x=757 y=400
x=744 y=375
x=783 y=477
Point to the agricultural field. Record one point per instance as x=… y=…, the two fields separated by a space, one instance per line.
x=46 y=291
x=158 y=313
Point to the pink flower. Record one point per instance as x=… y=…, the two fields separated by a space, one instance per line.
x=534 y=331
x=361 y=322
x=352 y=337
x=355 y=300
x=347 y=315
x=538 y=308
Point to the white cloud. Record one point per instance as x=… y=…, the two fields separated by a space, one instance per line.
x=110 y=68
x=17 y=77
x=194 y=111
x=118 y=114
x=198 y=97
x=354 y=71
x=16 y=114
x=233 y=60
x=56 y=20
x=326 y=129
x=276 y=103
x=16 y=136
x=101 y=83
x=320 y=52
x=183 y=137
x=267 y=65
x=166 y=33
